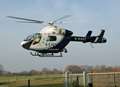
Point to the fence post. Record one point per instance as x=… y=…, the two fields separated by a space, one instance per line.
x=114 y=80
x=66 y=79
x=28 y=82
x=89 y=80
x=85 y=79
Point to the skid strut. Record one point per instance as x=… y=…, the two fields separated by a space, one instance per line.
x=46 y=54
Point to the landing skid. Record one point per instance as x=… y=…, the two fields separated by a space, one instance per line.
x=47 y=54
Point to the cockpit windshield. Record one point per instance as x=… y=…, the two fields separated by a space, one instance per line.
x=33 y=36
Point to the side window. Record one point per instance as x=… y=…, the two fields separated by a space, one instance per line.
x=52 y=38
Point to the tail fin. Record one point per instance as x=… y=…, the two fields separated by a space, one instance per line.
x=89 y=34
x=102 y=33
x=101 y=39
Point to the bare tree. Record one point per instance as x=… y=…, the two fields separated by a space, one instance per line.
x=56 y=71
x=34 y=72
x=73 y=69
x=46 y=71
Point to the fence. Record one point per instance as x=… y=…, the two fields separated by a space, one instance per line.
x=84 y=79
x=111 y=79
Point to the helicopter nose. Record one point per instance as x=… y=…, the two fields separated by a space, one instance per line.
x=26 y=44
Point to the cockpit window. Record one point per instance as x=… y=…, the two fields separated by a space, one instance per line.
x=33 y=36
x=52 y=38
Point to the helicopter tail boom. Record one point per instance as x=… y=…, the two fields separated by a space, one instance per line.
x=77 y=38
x=88 y=38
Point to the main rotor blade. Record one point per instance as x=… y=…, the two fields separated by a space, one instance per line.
x=25 y=22
x=31 y=20
x=66 y=16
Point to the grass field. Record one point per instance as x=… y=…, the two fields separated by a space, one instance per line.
x=111 y=79
x=56 y=80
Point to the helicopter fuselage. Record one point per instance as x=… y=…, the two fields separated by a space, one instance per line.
x=51 y=39
x=54 y=39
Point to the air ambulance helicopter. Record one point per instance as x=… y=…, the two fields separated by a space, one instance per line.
x=52 y=40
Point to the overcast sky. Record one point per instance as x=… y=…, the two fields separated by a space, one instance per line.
x=86 y=15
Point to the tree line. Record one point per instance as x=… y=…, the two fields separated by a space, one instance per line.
x=91 y=69
x=68 y=68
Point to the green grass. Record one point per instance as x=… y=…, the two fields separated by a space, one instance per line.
x=56 y=80
x=52 y=85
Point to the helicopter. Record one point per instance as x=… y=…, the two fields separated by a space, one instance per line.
x=52 y=40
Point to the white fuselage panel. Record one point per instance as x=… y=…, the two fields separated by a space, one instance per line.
x=50 y=36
